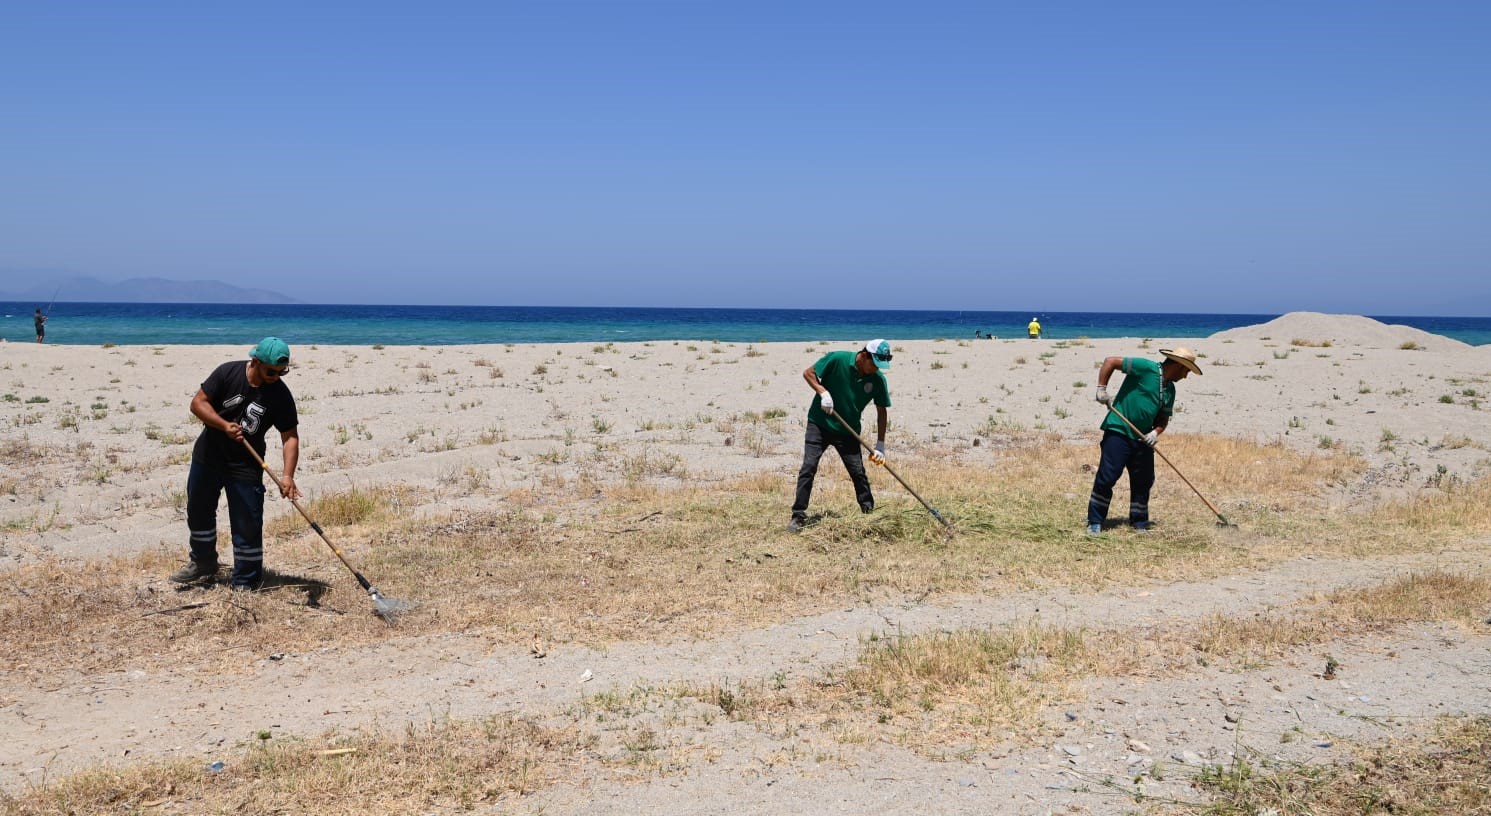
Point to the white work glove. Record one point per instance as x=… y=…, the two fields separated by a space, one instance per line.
x=878 y=454
x=827 y=401
x=1152 y=438
x=1102 y=395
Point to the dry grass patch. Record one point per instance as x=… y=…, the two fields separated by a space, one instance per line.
x=1441 y=773
x=121 y=613
x=580 y=561
x=356 y=505
x=943 y=694
x=951 y=693
x=947 y=694
x=448 y=765
x=1434 y=596
x=1463 y=508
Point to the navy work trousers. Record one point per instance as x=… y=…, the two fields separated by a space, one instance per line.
x=245 y=518
x=1121 y=453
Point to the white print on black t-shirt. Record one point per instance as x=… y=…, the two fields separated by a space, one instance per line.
x=232 y=401
x=252 y=416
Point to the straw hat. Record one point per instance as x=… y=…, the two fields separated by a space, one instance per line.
x=1184 y=356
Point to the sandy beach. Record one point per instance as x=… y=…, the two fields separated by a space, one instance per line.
x=97 y=441
x=113 y=435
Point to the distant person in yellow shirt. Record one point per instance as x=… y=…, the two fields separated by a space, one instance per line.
x=1034 y=329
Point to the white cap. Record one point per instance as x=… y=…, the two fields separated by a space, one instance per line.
x=880 y=351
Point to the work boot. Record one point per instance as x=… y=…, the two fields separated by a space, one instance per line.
x=1143 y=526
x=193 y=571
x=1094 y=529
x=795 y=525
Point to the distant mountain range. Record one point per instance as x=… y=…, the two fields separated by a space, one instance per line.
x=140 y=290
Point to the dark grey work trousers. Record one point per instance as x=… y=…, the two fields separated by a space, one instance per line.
x=815 y=442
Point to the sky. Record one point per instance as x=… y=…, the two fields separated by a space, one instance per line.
x=1257 y=157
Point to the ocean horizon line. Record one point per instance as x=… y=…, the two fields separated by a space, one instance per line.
x=134 y=323
x=1269 y=315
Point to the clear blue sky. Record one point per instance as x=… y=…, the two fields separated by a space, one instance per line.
x=1188 y=156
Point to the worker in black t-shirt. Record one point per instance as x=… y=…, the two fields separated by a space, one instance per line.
x=238 y=401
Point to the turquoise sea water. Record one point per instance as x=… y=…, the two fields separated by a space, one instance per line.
x=178 y=323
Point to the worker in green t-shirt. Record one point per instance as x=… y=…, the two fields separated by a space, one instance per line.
x=844 y=382
x=1147 y=399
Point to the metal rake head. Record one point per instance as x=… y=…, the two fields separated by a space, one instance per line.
x=389 y=609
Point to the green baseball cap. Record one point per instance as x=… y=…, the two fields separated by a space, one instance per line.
x=272 y=350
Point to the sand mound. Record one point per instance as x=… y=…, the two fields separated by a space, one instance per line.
x=1315 y=328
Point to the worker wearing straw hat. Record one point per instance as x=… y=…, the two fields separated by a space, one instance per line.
x=1147 y=399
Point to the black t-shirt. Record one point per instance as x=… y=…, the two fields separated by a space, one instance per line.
x=254 y=409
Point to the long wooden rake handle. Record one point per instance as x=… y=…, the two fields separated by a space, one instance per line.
x=1162 y=455
x=871 y=448
x=366 y=585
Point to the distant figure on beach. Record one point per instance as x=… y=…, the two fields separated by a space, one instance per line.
x=845 y=382
x=1146 y=399
x=238 y=402
x=1034 y=329
x=41 y=328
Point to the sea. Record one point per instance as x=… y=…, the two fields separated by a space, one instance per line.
x=127 y=324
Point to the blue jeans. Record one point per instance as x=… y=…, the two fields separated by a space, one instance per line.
x=815 y=442
x=245 y=518
x=1121 y=453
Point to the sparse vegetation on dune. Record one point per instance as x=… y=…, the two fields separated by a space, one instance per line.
x=950 y=693
x=652 y=556
x=445 y=764
x=1442 y=772
x=650 y=561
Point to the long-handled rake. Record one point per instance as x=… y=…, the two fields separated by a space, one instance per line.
x=871 y=448
x=388 y=609
x=1221 y=519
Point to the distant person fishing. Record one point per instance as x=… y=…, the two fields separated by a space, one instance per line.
x=41 y=319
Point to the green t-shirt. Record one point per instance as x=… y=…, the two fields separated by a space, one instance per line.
x=1144 y=397
x=851 y=391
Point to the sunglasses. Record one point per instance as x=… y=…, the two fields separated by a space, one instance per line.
x=884 y=358
x=270 y=371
